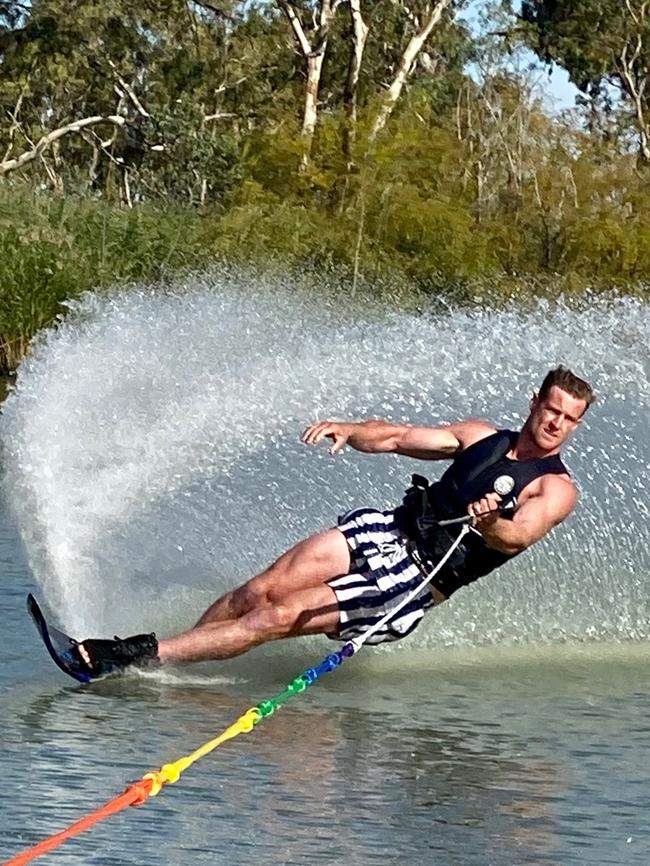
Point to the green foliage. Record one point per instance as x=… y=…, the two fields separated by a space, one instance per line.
x=604 y=45
x=470 y=185
x=53 y=249
x=199 y=163
x=565 y=32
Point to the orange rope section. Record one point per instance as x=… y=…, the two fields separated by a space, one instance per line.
x=133 y=796
x=152 y=783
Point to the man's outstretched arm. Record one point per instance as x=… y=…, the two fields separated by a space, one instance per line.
x=381 y=437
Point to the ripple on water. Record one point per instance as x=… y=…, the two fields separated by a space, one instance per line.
x=151 y=460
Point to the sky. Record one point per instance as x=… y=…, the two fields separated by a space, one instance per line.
x=558 y=91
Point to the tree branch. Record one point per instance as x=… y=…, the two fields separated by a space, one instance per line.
x=633 y=79
x=14 y=121
x=405 y=66
x=46 y=141
x=296 y=24
x=128 y=90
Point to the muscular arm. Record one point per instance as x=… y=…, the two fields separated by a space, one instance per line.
x=537 y=514
x=377 y=437
x=427 y=443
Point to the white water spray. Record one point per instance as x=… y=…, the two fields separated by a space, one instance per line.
x=152 y=455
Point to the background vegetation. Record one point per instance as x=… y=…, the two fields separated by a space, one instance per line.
x=381 y=138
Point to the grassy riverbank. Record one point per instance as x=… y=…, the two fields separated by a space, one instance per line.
x=193 y=138
x=52 y=249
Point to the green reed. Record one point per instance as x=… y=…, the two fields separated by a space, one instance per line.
x=52 y=249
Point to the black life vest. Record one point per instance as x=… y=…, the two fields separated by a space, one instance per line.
x=471 y=475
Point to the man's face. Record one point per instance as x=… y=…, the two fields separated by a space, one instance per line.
x=554 y=417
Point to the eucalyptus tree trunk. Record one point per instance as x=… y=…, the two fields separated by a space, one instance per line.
x=631 y=65
x=359 y=36
x=313 y=50
x=310 y=116
x=406 y=65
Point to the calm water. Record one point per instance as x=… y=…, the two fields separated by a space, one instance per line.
x=513 y=728
x=500 y=756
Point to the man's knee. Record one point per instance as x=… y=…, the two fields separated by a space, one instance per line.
x=278 y=620
x=330 y=552
x=250 y=597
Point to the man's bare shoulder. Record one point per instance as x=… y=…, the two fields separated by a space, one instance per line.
x=562 y=486
x=560 y=493
x=471 y=431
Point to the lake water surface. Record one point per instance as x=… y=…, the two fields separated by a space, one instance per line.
x=512 y=728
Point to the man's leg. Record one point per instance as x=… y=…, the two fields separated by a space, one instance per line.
x=307 y=611
x=308 y=564
x=290 y=597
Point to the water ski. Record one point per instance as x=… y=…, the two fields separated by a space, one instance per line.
x=58 y=644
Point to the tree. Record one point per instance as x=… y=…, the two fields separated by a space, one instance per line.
x=98 y=98
x=313 y=48
x=601 y=43
x=423 y=24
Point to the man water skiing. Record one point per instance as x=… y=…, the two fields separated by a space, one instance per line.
x=340 y=582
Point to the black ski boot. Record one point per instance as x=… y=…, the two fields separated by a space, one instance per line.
x=106 y=656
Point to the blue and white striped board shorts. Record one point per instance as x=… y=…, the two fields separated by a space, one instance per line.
x=382 y=573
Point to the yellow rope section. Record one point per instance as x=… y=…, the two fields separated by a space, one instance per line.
x=152 y=783
x=170 y=773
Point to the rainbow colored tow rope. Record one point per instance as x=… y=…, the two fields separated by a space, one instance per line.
x=152 y=783
x=170 y=773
